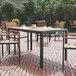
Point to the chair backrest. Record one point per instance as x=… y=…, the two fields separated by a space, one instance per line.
x=11 y=24
x=61 y=24
x=57 y=21
x=74 y=22
x=71 y=23
x=41 y=23
x=3 y=24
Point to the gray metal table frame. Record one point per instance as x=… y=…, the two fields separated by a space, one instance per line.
x=41 y=40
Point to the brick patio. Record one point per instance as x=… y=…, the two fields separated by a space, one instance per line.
x=30 y=65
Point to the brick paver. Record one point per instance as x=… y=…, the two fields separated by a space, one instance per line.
x=29 y=65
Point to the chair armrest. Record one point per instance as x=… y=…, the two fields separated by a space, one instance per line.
x=13 y=31
x=70 y=37
x=8 y=34
x=5 y=32
x=71 y=34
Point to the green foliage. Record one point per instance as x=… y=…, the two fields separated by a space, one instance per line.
x=56 y=10
x=8 y=9
x=19 y=14
x=44 y=5
x=28 y=10
x=28 y=7
x=69 y=1
x=1 y=13
x=0 y=3
x=48 y=17
x=33 y=22
x=38 y=13
x=43 y=10
x=73 y=2
x=66 y=1
x=68 y=10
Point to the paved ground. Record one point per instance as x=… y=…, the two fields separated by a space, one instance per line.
x=29 y=65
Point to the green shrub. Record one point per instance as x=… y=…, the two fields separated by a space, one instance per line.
x=19 y=14
x=8 y=9
x=48 y=17
x=28 y=8
x=38 y=12
x=1 y=13
x=68 y=11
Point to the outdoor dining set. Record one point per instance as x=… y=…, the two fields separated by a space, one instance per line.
x=12 y=36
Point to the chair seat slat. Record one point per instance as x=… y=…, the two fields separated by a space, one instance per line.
x=9 y=41
x=69 y=45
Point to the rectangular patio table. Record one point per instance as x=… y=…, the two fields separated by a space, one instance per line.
x=41 y=31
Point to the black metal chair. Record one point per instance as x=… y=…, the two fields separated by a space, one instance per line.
x=9 y=41
x=13 y=24
x=67 y=45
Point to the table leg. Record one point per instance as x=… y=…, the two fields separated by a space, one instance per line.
x=49 y=37
x=37 y=37
x=30 y=41
x=8 y=45
x=55 y=36
x=41 y=50
x=65 y=49
x=14 y=46
x=27 y=41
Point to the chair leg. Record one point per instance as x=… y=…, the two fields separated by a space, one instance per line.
x=63 y=60
x=58 y=35
x=19 y=52
x=8 y=48
x=49 y=37
x=14 y=48
x=8 y=45
x=55 y=37
x=66 y=54
x=14 y=45
x=37 y=37
x=2 y=51
x=0 y=57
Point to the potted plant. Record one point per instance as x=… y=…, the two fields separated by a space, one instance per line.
x=33 y=24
